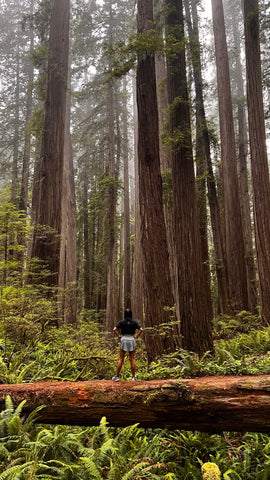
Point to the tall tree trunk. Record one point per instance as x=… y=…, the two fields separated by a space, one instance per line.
x=195 y=316
x=243 y=172
x=86 y=241
x=68 y=247
x=200 y=151
x=127 y=278
x=204 y=152
x=46 y=244
x=259 y=164
x=157 y=282
x=14 y=185
x=111 y=313
x=166 y=168
x=111 y=306
x=235 y=250
x=23 y=202
x=137 y=277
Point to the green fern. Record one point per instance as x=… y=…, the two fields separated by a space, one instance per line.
x=91 y=468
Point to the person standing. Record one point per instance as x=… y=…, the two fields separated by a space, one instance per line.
x=128 y=328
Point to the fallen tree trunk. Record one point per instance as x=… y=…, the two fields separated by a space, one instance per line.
x=210 y=404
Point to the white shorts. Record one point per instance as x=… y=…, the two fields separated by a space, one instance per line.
x=128 y=343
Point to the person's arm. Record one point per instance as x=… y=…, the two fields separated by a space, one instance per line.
x=115 y=331
x=139 y=333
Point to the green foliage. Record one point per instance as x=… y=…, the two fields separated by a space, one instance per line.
x=226 y=326
x=123 y=56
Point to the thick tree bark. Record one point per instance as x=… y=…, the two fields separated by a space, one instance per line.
x=210 y=404
x=235 y=250
x=137 y=274
x=259 y=162
x=192 y=294
x=157 y=282
x=46 y=244
x=166 y=168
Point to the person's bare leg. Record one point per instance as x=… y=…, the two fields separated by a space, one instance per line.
x=120 y=362
x=132 y=362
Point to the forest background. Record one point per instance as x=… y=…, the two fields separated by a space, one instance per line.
x=134 y=173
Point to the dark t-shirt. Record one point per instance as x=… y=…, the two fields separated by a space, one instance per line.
x=128 y=326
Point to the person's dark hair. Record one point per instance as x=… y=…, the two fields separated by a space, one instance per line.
x=127 y=314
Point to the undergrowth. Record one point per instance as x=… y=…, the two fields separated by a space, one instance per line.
x=33 y=349
x=31 y=451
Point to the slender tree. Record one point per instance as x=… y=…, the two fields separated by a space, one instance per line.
x=127 y=258
x=243 y=168
x=234 y=241
x=111 y=281
x=259 y=163
x=205 y=161
x=14 y=185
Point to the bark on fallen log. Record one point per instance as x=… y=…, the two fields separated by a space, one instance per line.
x=210 y=404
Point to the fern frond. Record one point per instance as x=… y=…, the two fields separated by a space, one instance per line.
x=139 y=468
x=19 y=408
x=103 y=428
x=32 y=416
x=91 y=468
x=9 y=403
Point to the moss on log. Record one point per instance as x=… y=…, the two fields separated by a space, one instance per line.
x=210 y=404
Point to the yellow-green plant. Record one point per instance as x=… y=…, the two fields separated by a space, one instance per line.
x=210 y=471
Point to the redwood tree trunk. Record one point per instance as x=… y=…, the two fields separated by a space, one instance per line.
x=205 y=153
x=86 y=241
x=127 y=277
x=111 y=303
x=111 y=310
x=68 y=248
x=259 y=164
x=137 y=271
x=46 y=244
x=14 y=185
x=23 y=203
x=157 y=282
x=210 y=404
x=234 y=241
x=166 y=167
x=195 y=314
x=243 y=172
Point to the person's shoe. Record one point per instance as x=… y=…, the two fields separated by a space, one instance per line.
x=134 y=378
x=115 y=378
